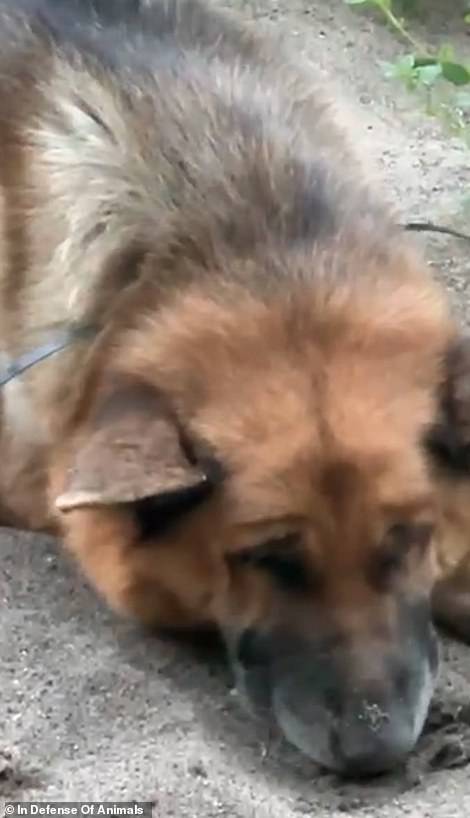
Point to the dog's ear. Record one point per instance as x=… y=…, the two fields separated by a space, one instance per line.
x=131 y=449
x=449 y=440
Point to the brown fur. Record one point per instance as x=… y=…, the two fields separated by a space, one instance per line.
x=264 y=330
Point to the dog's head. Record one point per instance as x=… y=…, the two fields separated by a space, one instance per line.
x=262 y=466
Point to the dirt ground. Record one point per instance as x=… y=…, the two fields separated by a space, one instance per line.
x=91 y=708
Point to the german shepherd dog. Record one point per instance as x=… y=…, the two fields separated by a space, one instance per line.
x=229 y=382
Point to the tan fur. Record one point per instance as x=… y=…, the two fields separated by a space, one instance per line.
x=121 y=207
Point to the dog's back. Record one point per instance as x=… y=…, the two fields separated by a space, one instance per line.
x=154 y=120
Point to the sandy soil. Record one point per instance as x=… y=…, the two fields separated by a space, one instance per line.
x=92 y=708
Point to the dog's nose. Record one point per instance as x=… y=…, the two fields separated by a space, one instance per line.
x=365 y=763
x=364 y=748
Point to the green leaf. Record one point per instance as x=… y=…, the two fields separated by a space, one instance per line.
x=455 y=73
x=446 y=53
x=389 y=69
x=403 y=69
x=428 y=74
x=406 y=63
x=384 y=4
x=422 y=62
x=399 y=69
x=467 y=18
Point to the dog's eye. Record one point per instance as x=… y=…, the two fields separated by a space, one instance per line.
x=157 y=516
x=280 y=558
x=399 y=540
x=403 y=536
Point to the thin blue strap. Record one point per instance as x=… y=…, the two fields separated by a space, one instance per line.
x=35 y=356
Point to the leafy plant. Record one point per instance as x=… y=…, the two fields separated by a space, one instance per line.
x=439 y=76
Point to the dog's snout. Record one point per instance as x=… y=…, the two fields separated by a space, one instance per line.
x=250 y=649
x=356 y=704
x=358 y=718
x=369 y=740
x=247 y=653
x=377 y=759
